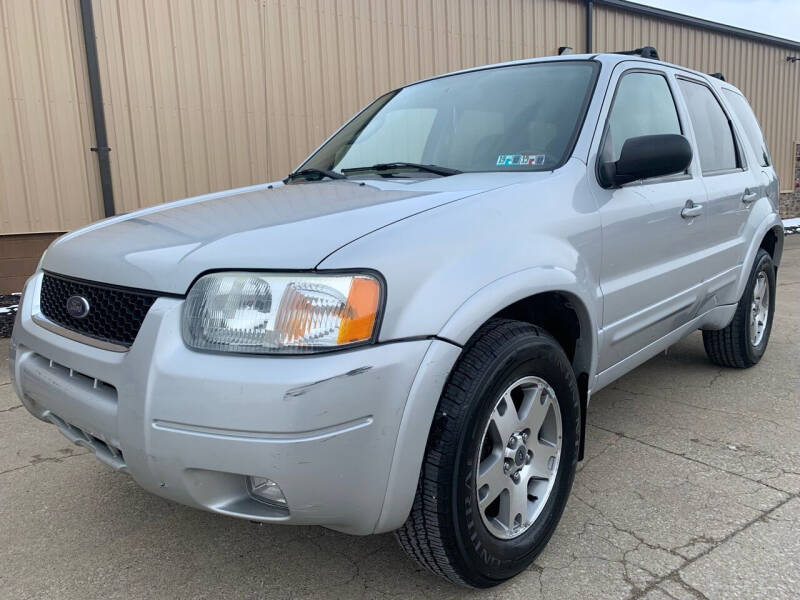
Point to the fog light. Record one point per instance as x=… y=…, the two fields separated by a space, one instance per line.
x=266 y=490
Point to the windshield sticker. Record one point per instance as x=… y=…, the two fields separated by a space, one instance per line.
x=516 y=160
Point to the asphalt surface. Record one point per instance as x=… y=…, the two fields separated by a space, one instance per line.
x=690 y=489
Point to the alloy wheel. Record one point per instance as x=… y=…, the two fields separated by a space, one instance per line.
x=759 y=309
x=518 y=457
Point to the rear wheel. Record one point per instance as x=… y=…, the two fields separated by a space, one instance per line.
x=500 y=458
x=743 y=342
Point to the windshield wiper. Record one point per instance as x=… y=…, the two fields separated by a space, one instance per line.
x=313 y=174
x=437 y=169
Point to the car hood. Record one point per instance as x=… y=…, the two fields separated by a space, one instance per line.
x=270 y=226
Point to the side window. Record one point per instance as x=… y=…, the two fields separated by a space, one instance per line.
x=748 y=120
x=643 y=105
x=712 y=130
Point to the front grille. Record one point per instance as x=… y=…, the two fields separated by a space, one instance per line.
x=115 y=314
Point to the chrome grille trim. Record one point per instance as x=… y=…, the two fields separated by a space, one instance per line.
x=43 y=321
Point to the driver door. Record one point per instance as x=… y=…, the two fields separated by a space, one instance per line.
x=651 y=275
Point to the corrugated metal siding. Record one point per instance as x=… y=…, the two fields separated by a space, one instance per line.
x=48 y=176
x=204 y=95
x=771 y=84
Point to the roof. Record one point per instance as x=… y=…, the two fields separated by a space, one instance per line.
x=610 y=59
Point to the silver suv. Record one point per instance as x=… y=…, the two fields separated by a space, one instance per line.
x=404 y=334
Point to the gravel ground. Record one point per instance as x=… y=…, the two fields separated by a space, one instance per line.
x=690 y=489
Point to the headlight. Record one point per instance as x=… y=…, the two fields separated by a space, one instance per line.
x=270 y=313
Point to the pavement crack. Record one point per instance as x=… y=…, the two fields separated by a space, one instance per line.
x=39 y=460
x=675 y=573
x=694 y=460
x=15 y=407
x=694 y=592
x=587 y=461
x=634 y=392
x=729 y=412
x=716 y=376
x=720 y=373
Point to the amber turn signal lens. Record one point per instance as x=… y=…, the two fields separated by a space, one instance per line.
x=362 y=311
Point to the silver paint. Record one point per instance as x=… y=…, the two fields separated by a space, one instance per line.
x=454 y=251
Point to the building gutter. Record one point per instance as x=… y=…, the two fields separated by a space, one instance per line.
x=98 y=111
x=667 y=15
x=589 y=25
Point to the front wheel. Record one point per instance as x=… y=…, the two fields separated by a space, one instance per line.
x=743 y=342
x=500 y=458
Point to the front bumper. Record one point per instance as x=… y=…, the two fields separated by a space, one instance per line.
x=192 y=426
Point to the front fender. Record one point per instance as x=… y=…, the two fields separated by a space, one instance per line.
x=582 y=293
x=503 y=292
x=442 y=356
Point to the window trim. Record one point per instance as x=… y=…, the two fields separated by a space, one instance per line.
x=687 y=174
x=741 y=159
x=734 y=91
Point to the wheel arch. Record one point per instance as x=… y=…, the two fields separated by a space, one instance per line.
x=552 y=298
x=772 y=242
x=516 y=295
x=768 y=235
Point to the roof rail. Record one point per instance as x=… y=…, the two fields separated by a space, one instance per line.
x=644 y=52
x=718 y=75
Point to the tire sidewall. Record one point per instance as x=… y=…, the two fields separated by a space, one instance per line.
x=490 y=557
x=763 y=263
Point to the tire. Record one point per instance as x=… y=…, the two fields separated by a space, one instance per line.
x=733 y=346
x=446 y=531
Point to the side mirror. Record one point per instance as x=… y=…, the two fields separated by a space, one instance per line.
x=647 y=156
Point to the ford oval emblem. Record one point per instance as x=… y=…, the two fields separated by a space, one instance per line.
x=77 y=307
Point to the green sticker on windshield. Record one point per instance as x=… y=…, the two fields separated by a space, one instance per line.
x=520 y=160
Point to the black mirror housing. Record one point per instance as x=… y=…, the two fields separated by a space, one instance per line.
x=647 y=156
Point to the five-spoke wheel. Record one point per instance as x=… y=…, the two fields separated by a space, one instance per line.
x=500 y=457
x=744 y=340
x=759 y=309
x=519 y=456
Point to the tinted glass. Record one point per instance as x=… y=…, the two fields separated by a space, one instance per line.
x=523 y=117
x=643 y=105
x=712 y=131
x=748 y=120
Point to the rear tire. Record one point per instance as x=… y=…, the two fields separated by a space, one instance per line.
x=453 y=529
x=743 y=342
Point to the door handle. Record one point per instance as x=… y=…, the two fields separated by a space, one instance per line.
x=691 y=210
x=748 y=197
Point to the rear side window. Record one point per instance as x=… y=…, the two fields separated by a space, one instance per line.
x=748 y=120
x=643 y=105
x=712 y=130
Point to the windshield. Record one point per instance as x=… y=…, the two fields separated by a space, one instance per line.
x=521 y=117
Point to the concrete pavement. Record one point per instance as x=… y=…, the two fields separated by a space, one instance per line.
x=690 y=489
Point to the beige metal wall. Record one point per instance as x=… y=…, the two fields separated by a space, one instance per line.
x=771 y=84
x=204 y=95
x=48 y=176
